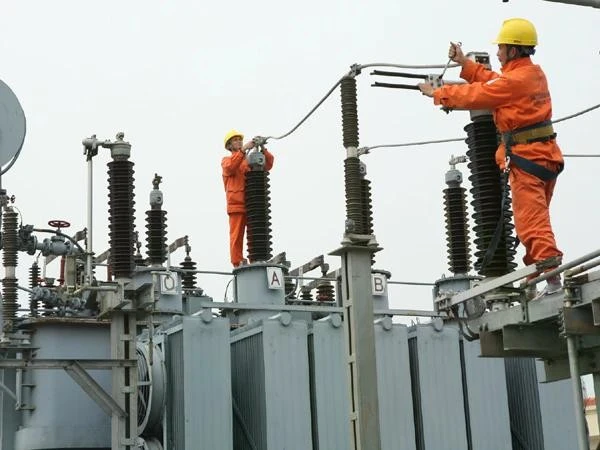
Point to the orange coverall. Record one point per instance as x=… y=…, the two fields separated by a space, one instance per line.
x=518 y=97
x=234 y=179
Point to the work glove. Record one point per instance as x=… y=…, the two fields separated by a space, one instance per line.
x=456 y=54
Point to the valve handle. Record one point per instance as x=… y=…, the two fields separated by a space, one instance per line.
x=59 y=224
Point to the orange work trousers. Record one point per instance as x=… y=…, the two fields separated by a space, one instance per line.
x=237 y=226
x=531 y=208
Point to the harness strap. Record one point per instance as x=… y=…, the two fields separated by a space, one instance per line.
x=538 y=132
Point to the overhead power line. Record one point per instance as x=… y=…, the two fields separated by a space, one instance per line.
x=365 y=150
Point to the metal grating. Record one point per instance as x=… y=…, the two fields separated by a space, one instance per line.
x=329 y=387
x=487 y=400
x=270 y=378
x=175 y=391
x=396 y=419
x=558 y=415
x=437 y=394
x=199 y=371
x=524 y=404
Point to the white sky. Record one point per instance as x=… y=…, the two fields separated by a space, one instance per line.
x=175 y=76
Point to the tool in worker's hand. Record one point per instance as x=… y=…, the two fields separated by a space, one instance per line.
x=458 y=44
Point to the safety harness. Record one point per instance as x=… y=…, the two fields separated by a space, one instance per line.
x=538 y=132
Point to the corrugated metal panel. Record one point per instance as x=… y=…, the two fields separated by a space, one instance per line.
x=329 y=393
x=248 y=384
x=558 y=413
x=487 y=400
x=9 y=417
x=287 y=381
x=396 y=419
x=206 y=353
x=437 y=388
x=524 y=404
x=175 y=391
x=271 y=386
x=199 y=385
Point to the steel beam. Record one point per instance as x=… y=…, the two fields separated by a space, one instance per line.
x=489 y=285
x=357 y=301
x=64 y=363
x=94 y=390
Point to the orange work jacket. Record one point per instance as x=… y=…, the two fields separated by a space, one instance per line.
x=234 y=179
x=518 y=97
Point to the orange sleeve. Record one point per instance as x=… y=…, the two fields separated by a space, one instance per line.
x=490 y=95
x=472 y=72
x=230 y=165
x=269 y=158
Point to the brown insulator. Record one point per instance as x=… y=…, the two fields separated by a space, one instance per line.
x=305 y=294
x=354 y=196
x=121 y=217
x=349 y=112
x=188 y=279
x=9 y=258
x=325 y=292
x=487 y=192
x=34 y=280
x=457 y=229
x=156 y=236
x=258 y=214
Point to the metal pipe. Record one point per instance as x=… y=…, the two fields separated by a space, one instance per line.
x=563 y=267
x=582 y=268
x=592 y=3
x=577 y=395
x=89 y=243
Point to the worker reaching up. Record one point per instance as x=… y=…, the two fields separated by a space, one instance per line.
x=234 y=168
x=522 y=110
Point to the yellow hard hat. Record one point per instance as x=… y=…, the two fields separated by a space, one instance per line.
x=517 y=32
x=232 y=134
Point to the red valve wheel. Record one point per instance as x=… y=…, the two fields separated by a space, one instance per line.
x=59 y=223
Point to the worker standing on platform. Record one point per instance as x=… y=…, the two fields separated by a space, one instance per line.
x=522 y=109
x=234 y=168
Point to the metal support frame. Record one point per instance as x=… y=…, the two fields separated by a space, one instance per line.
x=94 y=390
x=123 y=331
x=360 y=345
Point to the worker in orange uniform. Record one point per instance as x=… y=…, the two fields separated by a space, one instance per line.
x=234 y=168
x=522 y=110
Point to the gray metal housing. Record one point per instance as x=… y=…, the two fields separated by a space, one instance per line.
x=198 y=410
x=62 y=415
x=271 y=390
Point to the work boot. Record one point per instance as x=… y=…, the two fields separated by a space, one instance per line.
x=553 y=285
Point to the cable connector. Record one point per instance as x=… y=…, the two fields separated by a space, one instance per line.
x=355 y=70
x=259 y=140
x=363 y=151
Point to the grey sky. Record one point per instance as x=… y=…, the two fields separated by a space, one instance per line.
x=175 y=76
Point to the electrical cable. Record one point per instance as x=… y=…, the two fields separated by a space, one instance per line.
x=365 y=150
x=354 y=71
x=309 y=113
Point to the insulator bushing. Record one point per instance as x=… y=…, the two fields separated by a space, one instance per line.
x=258 y=214
x=487 y=191
x=9 y=225
x=367 y=204
x=9 y=303
x=349 y=112
x=121 y=217
x=156 y=236
x=188 y=279
x=354 y=195
x=457 y=229
x=325 y=292
x=34 y=280
x=9 y=259
x=305 y=294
